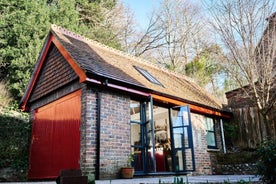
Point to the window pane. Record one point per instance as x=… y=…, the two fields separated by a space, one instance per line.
x=137 y=160
x=211 y=141
x=147 y=75
x=209 y=124
x=210 y=129
x=135 y=111
x=135 y=134
x=179 y=161
x=176 y=118
x=178 y=137
x=148 y=112
x=185 y=115
x=149 y=140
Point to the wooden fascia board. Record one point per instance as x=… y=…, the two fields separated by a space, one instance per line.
x=51 y=39
x=80 y=72
x=40 y=61
x=194 y=108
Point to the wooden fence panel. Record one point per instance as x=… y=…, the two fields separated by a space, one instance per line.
x=250 y=126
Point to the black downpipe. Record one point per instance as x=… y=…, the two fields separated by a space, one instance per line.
x=97 y=169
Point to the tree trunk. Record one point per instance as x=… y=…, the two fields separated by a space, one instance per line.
x=270 y=127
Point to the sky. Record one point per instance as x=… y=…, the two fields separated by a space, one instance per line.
x=141 y=9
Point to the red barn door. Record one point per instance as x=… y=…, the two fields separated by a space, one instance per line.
x=55 y=143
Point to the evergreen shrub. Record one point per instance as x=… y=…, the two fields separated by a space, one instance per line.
x=15 y=131
x=267 y=163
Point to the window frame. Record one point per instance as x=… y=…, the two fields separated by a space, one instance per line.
x=148 y=75
x=213 y=132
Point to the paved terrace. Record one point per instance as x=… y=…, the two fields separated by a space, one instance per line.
x=211 y=179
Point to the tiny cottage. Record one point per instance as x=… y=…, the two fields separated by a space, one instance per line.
x=92 y=106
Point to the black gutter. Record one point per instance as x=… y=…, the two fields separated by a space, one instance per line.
x=98 y=136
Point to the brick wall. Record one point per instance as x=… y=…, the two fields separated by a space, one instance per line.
x=203 y=157
x=88 y=130
x=237 y=98
x=114 y=133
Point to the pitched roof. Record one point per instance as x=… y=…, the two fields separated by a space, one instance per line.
x=98 y=60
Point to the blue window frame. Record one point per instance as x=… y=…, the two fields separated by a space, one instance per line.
x=161 y=138
x=211 y=133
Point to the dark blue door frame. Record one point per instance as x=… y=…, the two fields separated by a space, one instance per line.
x=181 y=139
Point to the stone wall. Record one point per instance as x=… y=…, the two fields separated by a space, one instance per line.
x=234 y=163
x=236 y=169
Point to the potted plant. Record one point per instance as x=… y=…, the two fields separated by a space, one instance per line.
x=128 y=171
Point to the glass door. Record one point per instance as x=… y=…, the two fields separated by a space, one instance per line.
x=150 y=165
x=142 y=136
x=182 y=143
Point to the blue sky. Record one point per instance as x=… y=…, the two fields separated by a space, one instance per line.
x=142 y=9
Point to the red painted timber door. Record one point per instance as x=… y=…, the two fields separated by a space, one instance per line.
x=55 y=143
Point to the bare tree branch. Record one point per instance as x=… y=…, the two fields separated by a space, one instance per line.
x=250 y=43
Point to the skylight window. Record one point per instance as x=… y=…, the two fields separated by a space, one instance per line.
x=148 y=76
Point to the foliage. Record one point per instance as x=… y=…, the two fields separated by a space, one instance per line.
x=177 y=180
x=91 y=178
x=15 y=136
x=25 y=24
x=206 y=70
x=205 y=66
x=230 y=133
x=5 y=97
x=130 y=159
x=267 y=163
x=95 y=17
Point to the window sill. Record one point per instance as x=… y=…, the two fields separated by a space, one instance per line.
x=213 y=150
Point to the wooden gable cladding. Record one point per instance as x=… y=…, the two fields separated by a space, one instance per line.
x=55 y=73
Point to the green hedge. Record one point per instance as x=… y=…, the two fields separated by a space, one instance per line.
x=15 y=131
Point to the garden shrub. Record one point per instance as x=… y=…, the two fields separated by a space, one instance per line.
x=231 y=134
x=267 y=162
x=14 y=135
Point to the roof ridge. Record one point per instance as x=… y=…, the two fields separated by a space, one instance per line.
x=82 y=38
